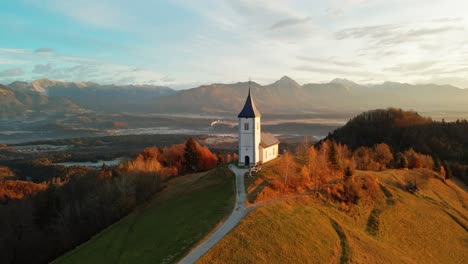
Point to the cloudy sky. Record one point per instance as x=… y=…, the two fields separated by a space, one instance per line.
x=185 y=43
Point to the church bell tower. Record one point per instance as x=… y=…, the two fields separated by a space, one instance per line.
x=249 y=133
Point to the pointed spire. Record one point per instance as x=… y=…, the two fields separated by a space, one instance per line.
x=249 y=109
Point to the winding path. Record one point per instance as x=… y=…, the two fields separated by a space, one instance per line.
x=237 y=214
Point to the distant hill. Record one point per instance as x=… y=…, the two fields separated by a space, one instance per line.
x=284 y=96
x=88 y=95
x=19 y=101
x=406 y=129
x=287 y=96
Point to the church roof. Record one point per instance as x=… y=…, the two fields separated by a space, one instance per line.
x=268 y=140
x=249 y=109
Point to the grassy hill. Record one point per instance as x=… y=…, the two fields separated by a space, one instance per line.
x=168 y=227
x=429 y=226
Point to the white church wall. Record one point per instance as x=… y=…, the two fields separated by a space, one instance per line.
x=269 y=153
x=249 y=139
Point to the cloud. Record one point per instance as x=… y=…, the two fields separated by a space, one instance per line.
x=329 y=60
x=290 y=22
x=5 y=61
x=328 y=70
x=44 y=50
x=334 y=13
x=374 y=32
x=412 y=67
x=11 y=72
x=43 y=68
x=394 y=33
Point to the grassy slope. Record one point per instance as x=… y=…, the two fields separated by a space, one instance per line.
x=428 y=227
x=168 y=227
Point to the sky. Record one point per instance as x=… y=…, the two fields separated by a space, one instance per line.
x=183 y=44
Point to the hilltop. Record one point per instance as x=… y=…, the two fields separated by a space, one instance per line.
x=387 y=225
x=444 y=141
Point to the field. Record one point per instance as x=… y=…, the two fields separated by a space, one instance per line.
x=429 y=226
x=164 y=230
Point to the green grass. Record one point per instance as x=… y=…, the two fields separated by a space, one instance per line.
x=166 y=229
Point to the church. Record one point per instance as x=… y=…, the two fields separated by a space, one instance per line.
x=255 y=147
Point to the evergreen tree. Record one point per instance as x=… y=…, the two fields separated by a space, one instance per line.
x=191 y=155
x=437 y=164
x=333 y=155
x=401 y=161
x=448 y=170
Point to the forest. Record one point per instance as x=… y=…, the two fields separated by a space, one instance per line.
x=41 y=221
x=446 y=142
x=329 y=168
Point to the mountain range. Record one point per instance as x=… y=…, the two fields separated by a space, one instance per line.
x=284 y=96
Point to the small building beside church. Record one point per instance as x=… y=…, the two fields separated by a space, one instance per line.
x=254 y=146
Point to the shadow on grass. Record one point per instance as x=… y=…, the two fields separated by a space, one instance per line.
x=372 y=226
x=345 y=249
x=388 y=195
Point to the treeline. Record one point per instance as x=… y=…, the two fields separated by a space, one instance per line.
x=445 y=142
x=47 y=223
x=329 y=168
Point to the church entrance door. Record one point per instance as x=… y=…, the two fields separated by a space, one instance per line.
x=247 y=160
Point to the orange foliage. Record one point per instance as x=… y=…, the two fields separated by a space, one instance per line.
x=18 y=189
x=5 y=172
x=207 y=159
x=417 y=160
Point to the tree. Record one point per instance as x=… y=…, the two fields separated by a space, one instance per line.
x=442 y=172
x=383 y=155
x=104 y=173
x=221 y=159
x=400 y=161
x=47 y=206
x=191 y=155
x=333 y=155
x=448 y=170
x=287 y=165
x=404 y=162
x=437 y=164
x=348 y=171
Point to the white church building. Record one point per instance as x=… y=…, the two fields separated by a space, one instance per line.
x=254 y=146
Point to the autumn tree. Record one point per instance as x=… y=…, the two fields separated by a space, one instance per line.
x=442 y=172
x=287 y=166
x=383 y=155
x=104 y=172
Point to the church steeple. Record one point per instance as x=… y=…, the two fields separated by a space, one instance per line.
x=249 y=110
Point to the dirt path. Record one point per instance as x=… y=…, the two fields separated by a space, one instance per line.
x=237 y=214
